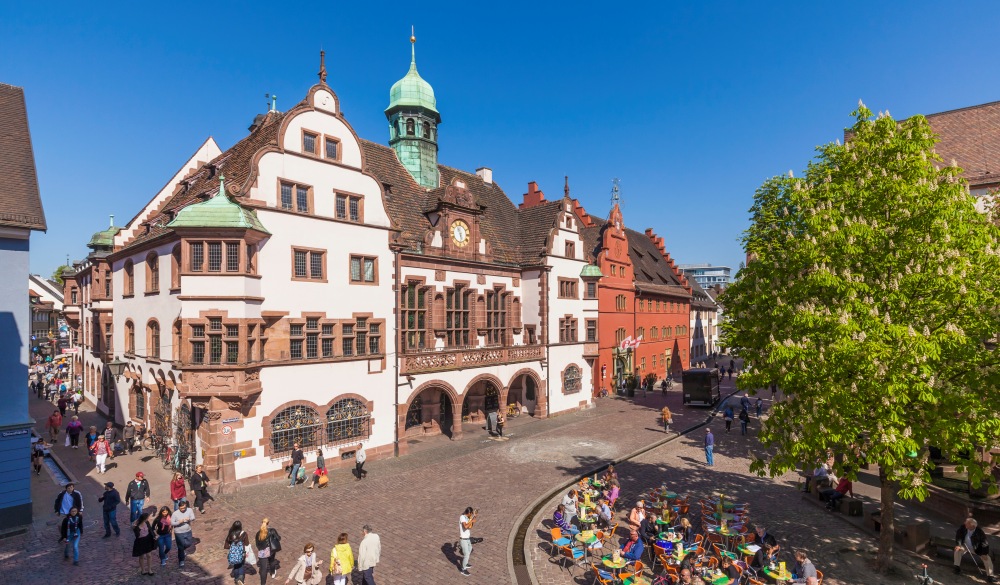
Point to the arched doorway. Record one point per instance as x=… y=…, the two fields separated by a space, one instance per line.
x=481 y=398
x=523 y=393
x=430 y=412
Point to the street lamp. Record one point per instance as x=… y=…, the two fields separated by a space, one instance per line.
x=117 y=367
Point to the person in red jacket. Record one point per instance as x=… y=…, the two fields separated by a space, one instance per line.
x=54 y=424
x=178 y=492
x=833 y=496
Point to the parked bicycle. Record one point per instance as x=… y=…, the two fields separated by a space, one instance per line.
x=513 y=410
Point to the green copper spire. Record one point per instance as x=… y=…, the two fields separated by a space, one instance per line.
x=413 y=120
x=412 y=90
x=218 y=212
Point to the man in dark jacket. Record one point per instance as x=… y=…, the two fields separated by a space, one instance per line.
x=199 y=485
x=128 y=433
x=70 y=498
x=971 y=540
x=110 y=501
x=111 y=435
x=135 y=495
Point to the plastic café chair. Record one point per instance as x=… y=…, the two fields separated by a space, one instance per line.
x=713 y=563
x=636 y=570
x=819 y=577
x=601 y=576
x=575 y=555
x=558 y=540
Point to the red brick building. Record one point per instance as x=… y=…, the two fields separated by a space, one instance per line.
x=642 y=297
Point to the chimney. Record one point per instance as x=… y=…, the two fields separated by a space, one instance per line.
x=486 y=174
x=533 y=197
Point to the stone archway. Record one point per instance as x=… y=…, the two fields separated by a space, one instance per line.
x=432 y=410
x=527 y=392
x=482 y=396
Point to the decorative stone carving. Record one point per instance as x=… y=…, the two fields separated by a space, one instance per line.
x=251 y=375
x=456 y=359
x=214 y=415
x=439 y=275
x=480 y=279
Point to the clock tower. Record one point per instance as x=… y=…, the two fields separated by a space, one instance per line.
x=413 y=121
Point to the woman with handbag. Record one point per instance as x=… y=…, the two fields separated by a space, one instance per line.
x=268 y=543
x=163 y=529
x=320 y=473
x=341 y=560
x=306 y=570
x=177 y=490
x=144 y=544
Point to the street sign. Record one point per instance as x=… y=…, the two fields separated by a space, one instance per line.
x=227 y=429
x=71 y=350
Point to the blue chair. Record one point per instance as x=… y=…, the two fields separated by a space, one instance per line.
x=558 y=540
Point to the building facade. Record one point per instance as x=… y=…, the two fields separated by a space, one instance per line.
x=45 y=298
x=306 y=286
x=20 y=214
x=707 y=275
x=704 y=325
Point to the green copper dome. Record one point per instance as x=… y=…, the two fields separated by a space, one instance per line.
x=590 y=271
x=104 y=239
x=412 y=90
x=217 y=212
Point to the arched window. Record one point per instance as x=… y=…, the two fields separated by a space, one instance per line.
x=410 y=127
x=295 y=424
x=175 y=267
x=572 y=379
x=129 y=336
x=347 y=419
x=427 y=130
x=152 y=273
x=129 y=272
x=153 y=340
x=140 y=403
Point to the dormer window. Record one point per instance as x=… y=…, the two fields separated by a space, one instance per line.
x=309 y=142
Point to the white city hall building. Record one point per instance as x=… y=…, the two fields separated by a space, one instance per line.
x=309 y=286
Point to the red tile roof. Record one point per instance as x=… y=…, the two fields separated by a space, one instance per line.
x=20 y=202
x=971 y=136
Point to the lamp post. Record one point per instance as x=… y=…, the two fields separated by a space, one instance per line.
x=117 y=367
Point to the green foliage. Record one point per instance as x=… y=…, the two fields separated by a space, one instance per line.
x=57 y=275
x=871 y=301
x=649 y=379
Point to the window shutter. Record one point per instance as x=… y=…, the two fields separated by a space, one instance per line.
x=437 y=313
x=480 y=312
x=514 y=314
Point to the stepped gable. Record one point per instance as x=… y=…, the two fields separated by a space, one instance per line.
x=653 y=272
x=236 y=164
x=537 y=223
x=20 y=201
x=970 y=136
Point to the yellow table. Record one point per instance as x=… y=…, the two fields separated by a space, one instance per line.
x=716 y=578
x=675 y=539
x=746 y=551
x=588 y=519
x=616 y=567
x=591 y=539
x=777 y=575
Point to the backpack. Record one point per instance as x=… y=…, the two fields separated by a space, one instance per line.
x=237 y=553
x=744 y=416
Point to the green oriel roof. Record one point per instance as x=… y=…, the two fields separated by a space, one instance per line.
x=104 y=238
x=218 y=212
x=412 y=90
x=590 y=271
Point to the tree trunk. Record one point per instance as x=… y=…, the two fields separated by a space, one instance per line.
x=886 y=536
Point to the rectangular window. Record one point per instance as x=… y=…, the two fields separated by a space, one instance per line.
x=354 y=205
x=302 y=199
x=316 y=265
x=286 y=196
x=215 y=324
x=232 y=257
x=312 y=323
x=232 y=330
x=349 y=208
x=341 y=206
x=457 y=310
x=215 y=349
x=591 y=330
x=529 y=334
x=309 y=264
x=107 y=285
x=197 y=352
x=312 y=345
x=567 y=288
x=414 y=316
x=327 y=347
x=362 y=269
x=642 y=363
x=361 y=334
x=591 y=290
x=374 y=338
x=295 y=349
x=232 y=352
x=300 y=263
x=347 y=335
x=496 y=318
x=72 y=296
x=251 y=256
x=309 y=142
x=332 y=148
x=570 y=250
x=215 y=256
x=197 y=256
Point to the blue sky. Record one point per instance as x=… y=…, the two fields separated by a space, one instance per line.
x=692 y=105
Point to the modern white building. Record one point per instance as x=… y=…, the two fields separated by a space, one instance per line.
x=309 y=286
x=707 y=275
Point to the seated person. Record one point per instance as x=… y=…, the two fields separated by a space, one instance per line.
x=763 y=537
x=559 y=519
x=763 y=557
x=636 y=515
x=688 y=561
x=648 y=530
x=970 y=539
x=730 y=570
x=804 y=568
x=820 y=475
x=613 y=489
x=633 y=548
x=844 y=487
x=686 y=577
x=609 y=475
x=604 y=514
x=686 y=531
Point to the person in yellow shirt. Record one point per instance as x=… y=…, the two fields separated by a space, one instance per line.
x=341 y=560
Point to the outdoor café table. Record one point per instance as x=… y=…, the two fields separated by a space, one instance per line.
x=611 y=564
x=716 y=578
x=777 y=575
x=662 y=522
x=591 y=539
x=724 y=516
x=728 y=534
x=673 y=539
x=748 y=549
x=597 y=484
x=636 y=580
x=588 y=519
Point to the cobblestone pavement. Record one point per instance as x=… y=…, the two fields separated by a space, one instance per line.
x=837 y=548
x=413 y=502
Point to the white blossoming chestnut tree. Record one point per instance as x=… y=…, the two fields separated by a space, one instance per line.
x=872 y=300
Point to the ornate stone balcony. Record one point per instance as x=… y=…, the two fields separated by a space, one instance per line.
x=460 y=359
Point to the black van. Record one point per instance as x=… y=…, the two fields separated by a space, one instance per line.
x=701 y=386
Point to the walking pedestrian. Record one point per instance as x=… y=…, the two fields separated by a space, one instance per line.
x=181 y=521
x=744 y=420
x=774 y=390
x=663 y=387
x=236 y=551
x=68 y=499
x=359 y=462
x=128 y=433
x=369 y=553
x=341 y=560
x=268 y=543
x=136 y=494
x=709 y=446
x=109 y=508
x=54 y=423
x=306 y=570
x=667 y=418
x=178 y=493
x=500 y=422
x=320 y=471
x=144 y=543
x=37 y=456
x=745 y=401
x=727 y=415
x=77 y=399
x=759 y=406
x=111 y=436
x=71 y=531
x=163 y=528
x=465 y=523
x=61 y=404
x=297 y=458
x=91 y=438
x=199 y=485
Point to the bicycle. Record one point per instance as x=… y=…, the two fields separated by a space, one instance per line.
x=513 y=410
x=150 y=441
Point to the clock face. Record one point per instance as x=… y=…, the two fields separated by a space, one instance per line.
x=460 y=233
